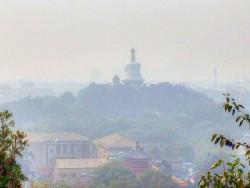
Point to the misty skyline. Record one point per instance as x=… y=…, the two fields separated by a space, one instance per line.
x=175 y=40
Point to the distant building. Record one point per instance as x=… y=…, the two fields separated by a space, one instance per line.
x=116 y=81
x=133 y=74
x=45 y=148
x=113 y=146
x=137 y=160
x=76 y=172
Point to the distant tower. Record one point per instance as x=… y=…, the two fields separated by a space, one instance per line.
x=132 y=58
x=133 y=74
x=116 y=80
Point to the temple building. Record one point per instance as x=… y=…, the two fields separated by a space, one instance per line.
x=113 y=146
x=137 y=160
x=133 y=74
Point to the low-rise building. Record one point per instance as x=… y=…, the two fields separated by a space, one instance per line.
x=76 y=172
x=45 y=148
x=113 y=146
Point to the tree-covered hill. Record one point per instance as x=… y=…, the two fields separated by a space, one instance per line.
x=124 y=100
x=106 y=101
x=172 y=118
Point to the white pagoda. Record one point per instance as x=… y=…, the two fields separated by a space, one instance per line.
x=133 y=74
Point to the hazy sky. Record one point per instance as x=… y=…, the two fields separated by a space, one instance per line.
x=175 y=40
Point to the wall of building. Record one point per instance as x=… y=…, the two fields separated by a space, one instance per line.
x=42 y=156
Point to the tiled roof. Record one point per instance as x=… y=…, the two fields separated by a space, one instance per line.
x=115 y=141
x=34 y=137
x=137 y=153
x=79 y=163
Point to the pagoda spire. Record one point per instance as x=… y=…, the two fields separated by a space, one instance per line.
x=133 y=74
x=132 y=58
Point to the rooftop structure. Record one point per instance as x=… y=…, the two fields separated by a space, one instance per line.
x=54 y=137
x=137 y=160
x=79 y=163
x=78 y=173
x=115 y=141
x=133 y=74
x=113 y=145
x=137 y=153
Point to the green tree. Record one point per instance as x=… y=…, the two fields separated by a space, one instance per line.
x=12 y=143
x=155 y=179
x=231 y=174
x=114 y=175
x=60 y=184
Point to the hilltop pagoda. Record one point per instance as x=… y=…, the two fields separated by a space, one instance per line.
x=133 y=74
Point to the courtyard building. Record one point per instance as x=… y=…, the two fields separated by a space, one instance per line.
x=113 y=146
x=45 y=148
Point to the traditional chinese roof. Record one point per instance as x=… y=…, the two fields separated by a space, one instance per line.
x=79 y=163
x=54 y=137
x=114 y=141
x=137 y=153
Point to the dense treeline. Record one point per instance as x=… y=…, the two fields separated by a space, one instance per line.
x=173 y=120
x=114 y=175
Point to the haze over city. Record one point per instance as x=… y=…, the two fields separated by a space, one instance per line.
x=176 y=40
x=124 y=93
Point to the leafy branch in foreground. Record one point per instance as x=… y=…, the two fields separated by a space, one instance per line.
x=232 y=174
x=12 y=143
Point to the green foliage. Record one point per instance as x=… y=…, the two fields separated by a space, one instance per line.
x=12 y=143
x=40 y=185
x=114 y=175
x=176 y=119
x=155 y=179
x=60 y=184
x=233 y=174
